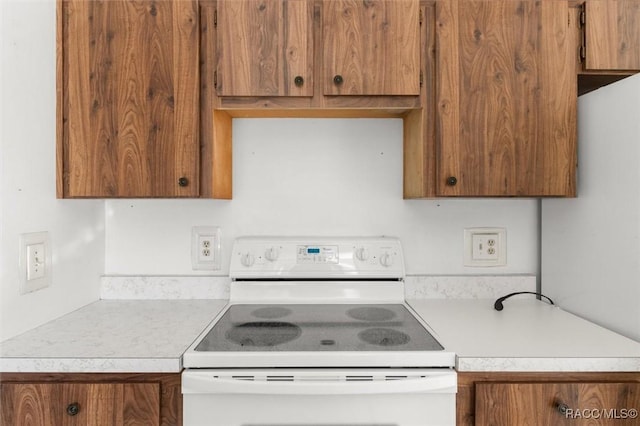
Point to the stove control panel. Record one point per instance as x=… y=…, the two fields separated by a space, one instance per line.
x=317 y=254
x=317 y=257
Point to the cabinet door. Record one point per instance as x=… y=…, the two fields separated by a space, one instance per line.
x=128 y=79
x=90 y=404
x=371 y=47
x=612 y=35
x=265 y=48
x=506 y=99
x=558 y=404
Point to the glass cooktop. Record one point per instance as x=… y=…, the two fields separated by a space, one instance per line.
x=318 y=327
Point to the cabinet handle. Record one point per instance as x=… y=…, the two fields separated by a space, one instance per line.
x=183 y=181
x=73 y=409
x=562 y=408
x=452 y=181
x=298 y=81
x=338 y=80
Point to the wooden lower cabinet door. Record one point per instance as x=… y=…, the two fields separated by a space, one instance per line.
x=559 y=404
x=86 y=404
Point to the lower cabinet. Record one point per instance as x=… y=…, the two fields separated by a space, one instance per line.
x=90 y=399
x=548 y=399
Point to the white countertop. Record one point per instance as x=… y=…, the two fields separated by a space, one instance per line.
x=112 y=336
x=528 y=335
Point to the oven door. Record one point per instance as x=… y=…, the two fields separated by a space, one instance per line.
x=319 y=397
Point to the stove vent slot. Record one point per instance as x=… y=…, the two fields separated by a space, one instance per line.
x=280 y=379
x=377 y=378
x=359 y=378
x=249 y=378
x=311 y=378
x=318 y=378
x=396 y=377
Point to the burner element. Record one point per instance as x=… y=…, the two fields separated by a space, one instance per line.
x=384 y=337
x=263 y=333
x=271 y=312
x=371 y=313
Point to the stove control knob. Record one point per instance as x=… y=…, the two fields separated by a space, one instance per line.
x=271 y=254
x=247 y=259
x=386 y=260
x=362 y=254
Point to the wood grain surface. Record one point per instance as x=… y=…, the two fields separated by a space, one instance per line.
x=506 y=404
x=100 y=404
x=215 y=126
x=263 y=45
x=131 y=104
x=373 y=44
x=506 y=96
x=612 y=35
x=166 y=388
x=419 y=170
x=467 y=381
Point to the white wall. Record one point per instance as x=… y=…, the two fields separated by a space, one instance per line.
x=591 y=244
x=27 y=186
x=317 y=177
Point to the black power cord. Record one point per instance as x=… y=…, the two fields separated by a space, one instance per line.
x=498 y=306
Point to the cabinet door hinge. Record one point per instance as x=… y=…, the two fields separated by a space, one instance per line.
x=215 y=79
x=582 y=22
x=215 y=18
x=421 y=78
x=420 y=17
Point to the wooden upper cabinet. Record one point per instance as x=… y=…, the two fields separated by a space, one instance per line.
x=265 y=48
x=612 y=35
x=371 y=47
x=570 y=404
x=87 y=404
x=128 y=98
x=506 y=99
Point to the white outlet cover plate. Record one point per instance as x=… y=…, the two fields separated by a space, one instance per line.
x=31 y=239
x=197 y=233
x=501 y=247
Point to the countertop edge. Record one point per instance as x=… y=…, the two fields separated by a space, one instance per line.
x=91 y=365
x=551 y=365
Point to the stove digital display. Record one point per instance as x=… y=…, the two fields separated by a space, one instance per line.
x=317 y=254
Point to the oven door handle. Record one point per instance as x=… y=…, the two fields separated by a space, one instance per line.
x=208 y=383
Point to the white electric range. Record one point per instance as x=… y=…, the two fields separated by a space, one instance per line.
x=317 y=332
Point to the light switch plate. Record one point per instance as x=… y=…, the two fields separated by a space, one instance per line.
x=34 y=261
x=485 y=247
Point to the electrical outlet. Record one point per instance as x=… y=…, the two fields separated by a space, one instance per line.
x=485 y=247
x=205 y=242
x=205 y=248
x=34 y=262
